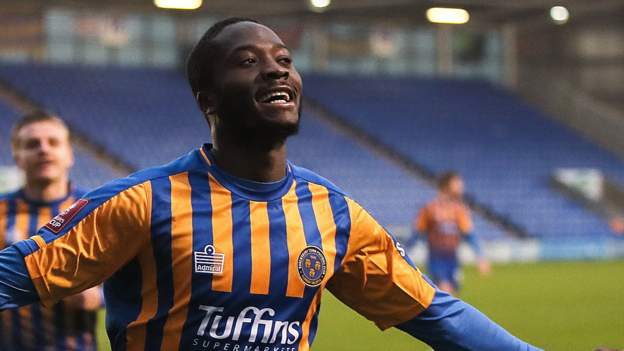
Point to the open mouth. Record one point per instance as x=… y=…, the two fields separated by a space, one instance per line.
x=45 y=163
x=276 y=96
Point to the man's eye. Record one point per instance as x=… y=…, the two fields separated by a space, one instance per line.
x=248 y=61
x=285 y=60
x=31 y=144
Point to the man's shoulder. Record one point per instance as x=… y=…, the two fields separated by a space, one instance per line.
x=78 y=192
x=430 y=204
x=309 y=176
x=9 y=195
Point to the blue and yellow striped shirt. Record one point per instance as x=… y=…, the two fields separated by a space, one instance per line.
x=195 y=259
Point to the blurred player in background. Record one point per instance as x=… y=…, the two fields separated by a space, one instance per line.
x=42 y=150
x=445 y=222
x=230 y=246
x=617 y=225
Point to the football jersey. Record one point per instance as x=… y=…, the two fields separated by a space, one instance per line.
x=196 y=259
x=444 y=222
x=34 y=327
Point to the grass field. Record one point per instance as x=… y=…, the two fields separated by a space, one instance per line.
x=566 y=306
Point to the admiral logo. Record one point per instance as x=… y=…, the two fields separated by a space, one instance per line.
x=209 y=261
x=312 y=266
x=60 y=221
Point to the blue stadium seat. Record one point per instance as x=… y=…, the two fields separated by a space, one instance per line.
x=505 y=149
x=144 y=117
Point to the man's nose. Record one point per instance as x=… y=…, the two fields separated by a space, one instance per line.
x=274 y=71
x=44 y=147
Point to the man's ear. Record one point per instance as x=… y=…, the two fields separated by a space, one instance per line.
x=14 y=153
x=207 y=102
x=72 y=158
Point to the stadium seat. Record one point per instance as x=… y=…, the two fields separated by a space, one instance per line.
x=505 y=149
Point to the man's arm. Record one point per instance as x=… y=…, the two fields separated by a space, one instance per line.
x=419 y=228
x=381 y=283
x=464 y=221
x=79 y=248
x=474 y=244
x=16 y=288
x=414 y=238
x=90 y=299
x=483 y=264
x=450 y=324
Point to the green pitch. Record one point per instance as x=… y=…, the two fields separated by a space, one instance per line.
x=558 y=306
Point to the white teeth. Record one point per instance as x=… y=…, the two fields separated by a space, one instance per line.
x=285 y=97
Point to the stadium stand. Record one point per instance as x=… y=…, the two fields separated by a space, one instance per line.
x=88 y=171
x=113 y=106
x=392 y=194
x=513 y=150
x=147 y=106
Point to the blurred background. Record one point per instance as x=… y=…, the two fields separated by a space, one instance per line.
x=525 y=99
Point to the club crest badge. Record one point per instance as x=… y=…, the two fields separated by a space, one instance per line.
x=209 y=261
x=312 y=266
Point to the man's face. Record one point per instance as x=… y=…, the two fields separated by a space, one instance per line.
x=43 y=151
x=257 y=88
x=455 y=187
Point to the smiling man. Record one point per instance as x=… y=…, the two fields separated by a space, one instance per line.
x=42 y=150
x=230 y=246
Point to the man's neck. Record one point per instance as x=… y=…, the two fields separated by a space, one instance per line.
x=443 y=196
x=251 y=163
x=46 y=191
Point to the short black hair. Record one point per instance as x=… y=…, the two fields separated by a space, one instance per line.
x=445 y=178
x=34 y=117
x=198 y=63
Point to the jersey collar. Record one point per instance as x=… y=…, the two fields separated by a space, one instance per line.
x=21 y=193
x=252 y=190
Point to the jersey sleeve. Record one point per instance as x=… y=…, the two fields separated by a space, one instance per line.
x=452 y=325
x=375 y=278
x=464 y=219
x=379 y=282
x=16 y=288
x=88 y=242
